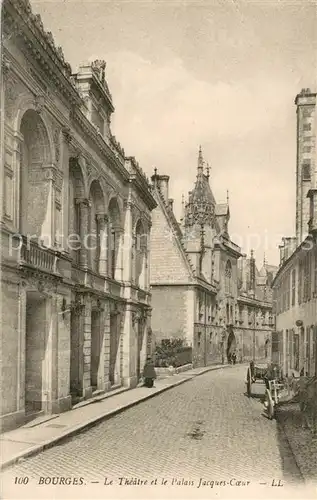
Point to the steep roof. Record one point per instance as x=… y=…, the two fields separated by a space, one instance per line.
x=169 y=249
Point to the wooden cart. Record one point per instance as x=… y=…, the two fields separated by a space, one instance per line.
x=255 y=374
x=280 y=391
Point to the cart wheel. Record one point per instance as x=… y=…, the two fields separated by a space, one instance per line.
x=269 y=404
x=249 y=382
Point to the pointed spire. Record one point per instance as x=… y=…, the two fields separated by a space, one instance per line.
x=252 y=254
x=227 y=196
x=264 y=260
x=207 y=171
x=183 y=208
x=200 y=165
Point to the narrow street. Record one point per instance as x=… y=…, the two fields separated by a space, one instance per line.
x=206 y=428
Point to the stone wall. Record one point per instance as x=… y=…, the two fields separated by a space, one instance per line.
x=9 y=326
x=169 y=314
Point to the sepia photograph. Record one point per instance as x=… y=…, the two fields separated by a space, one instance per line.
x=158 y=215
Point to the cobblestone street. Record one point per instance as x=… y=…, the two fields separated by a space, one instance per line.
x=206 y=428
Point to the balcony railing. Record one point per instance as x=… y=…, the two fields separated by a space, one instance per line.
x=41 y=258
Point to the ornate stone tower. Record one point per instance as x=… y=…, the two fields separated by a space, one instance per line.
x=199 y=221
x=306 y=159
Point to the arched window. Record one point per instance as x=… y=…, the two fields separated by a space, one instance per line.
x=228 y=277
x=34 y=189
x=140 y=255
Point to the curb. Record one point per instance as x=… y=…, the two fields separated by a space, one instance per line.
x=96 y=420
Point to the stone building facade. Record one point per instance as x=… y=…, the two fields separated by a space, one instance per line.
x=204 y=290
x=75 y=227
x=295 y=284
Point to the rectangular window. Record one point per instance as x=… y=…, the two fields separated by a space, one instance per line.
x=300 y=282
x=8 y=196
x=306 y=149
x=199 y=339
x=306 y=171
x=307 y=281
x=293 y=286
x=307 y=126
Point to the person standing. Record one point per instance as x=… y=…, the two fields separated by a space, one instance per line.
x=149 y=373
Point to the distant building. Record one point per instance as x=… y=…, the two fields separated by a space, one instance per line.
x=295 y=284
x=203 y=289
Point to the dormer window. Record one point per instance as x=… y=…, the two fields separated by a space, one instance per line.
x=306 y=171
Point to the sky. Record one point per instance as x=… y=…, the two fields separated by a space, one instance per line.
x=222 y=74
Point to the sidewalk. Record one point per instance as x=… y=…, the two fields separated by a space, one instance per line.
x=45 y=432
x=302 y=444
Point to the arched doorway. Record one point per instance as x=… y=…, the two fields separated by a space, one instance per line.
x=231 y=343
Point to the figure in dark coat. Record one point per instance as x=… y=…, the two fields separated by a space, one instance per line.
x=149 y=373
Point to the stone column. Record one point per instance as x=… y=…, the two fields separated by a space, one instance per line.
x=50 y=378
x=47 y=235
x=105 y=362
x=21 y=351
x=128 y=261
x=66 y=139
x=120 y=244
x=103 y=241
x=87 y=389
x=129 y=350
x=18 y=140
x=83 y=229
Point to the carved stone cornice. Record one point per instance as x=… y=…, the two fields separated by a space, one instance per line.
x=67 y=134
x=102 y=218
x=83 y=202
x=29 y=28
x=39 y=103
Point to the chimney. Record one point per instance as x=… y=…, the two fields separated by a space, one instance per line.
x=282 y=251
x=162 y=182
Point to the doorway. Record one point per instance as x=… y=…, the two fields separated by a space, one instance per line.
x=76 y=357
x=35 y=350
x=231 y=344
